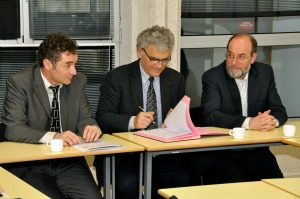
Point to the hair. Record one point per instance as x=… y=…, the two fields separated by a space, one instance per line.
x=251 y=38
x=52 y=47
x=162 y=38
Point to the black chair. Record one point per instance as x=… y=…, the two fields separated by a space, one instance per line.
x=197 y=116
x=2 y=131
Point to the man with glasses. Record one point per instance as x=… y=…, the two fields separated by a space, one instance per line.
x=242 y=93
x=124 y=106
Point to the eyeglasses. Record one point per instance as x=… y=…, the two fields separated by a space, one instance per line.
x=156 y=61
x=240 y=58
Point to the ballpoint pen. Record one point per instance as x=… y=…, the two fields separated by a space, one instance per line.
x=145 y=111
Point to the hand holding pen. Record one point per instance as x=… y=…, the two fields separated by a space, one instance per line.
x=143 y=119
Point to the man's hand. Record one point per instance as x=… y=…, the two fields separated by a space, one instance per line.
x=68 y=137
x=143 y=120
x=263 y=121
x=91 y=133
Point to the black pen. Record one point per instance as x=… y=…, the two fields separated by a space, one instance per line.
x=145 y=111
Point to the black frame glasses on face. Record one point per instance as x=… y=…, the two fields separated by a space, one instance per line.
x=155 y=60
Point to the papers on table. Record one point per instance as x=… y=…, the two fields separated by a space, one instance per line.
x=179 y=126
x=97 y=145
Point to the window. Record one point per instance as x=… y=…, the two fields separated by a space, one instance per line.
x=90 y=22
x=215 y=17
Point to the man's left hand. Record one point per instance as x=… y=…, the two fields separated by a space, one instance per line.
x=91 y=133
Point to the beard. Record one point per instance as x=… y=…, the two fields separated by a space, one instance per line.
x=237 y=73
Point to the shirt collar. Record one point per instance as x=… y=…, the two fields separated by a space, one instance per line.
x=46 y=82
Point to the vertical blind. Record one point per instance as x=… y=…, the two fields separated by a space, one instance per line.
x=94 y=63
x=9 y=19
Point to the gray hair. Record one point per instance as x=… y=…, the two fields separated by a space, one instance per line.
x=162 y=38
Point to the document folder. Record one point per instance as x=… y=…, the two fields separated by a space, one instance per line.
x=179 y=126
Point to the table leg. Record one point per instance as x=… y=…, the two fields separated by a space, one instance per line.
x=147 y=175
x=106 y=176
x=141 y=176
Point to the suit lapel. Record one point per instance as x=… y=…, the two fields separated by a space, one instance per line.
x=40 y=91
x=234 y=91
x=136 y=86
x=253 y=90
x=165 y=85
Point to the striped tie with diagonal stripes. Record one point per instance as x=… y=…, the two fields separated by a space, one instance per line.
x=151 y=103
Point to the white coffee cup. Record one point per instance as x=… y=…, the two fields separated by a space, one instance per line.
x=238 y=133
x=289 y=130
x=56 y=145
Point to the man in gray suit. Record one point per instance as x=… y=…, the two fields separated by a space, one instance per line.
x=242 y=93
x=124 y=94
x=27 y=118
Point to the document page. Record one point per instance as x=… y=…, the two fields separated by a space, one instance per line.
x=97 y=145
x=164 y=132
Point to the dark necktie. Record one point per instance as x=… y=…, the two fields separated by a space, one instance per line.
x=151 y=104
x=55 y=119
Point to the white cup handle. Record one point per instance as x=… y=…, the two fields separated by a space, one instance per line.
x=48 y=144
x=231 y=132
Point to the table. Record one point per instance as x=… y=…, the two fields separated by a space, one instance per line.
x=245 y=190
x=292 y=141
x=21 y=152
x=16 y=188
x=206 y=143
x=290 y=185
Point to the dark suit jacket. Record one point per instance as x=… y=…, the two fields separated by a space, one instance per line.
x=26 y=111
x=121 y=94
x=221 y=100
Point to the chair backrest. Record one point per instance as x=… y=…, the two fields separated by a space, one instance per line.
x=197 y=116
x=2 y=131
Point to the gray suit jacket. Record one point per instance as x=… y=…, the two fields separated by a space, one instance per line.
x=121 y=94
x=26 y=111
x=221 y=102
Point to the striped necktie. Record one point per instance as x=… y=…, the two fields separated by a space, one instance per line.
x=55 y=119
x=151 y=103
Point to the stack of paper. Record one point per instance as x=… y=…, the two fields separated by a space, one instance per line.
x=179 y=126
x=97 y=145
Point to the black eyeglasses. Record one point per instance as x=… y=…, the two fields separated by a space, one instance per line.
x=156 y=61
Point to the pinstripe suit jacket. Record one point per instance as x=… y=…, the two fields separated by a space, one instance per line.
x=121 y=94
x=26 y=111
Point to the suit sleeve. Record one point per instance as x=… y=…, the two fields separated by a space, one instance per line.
x=212 y=104
x=274 y=101
x=15 y=114
x=108 y=114
x=85 y=115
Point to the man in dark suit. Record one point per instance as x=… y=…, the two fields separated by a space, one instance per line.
x=124 y=94
x=242 y=93
x=27 y=118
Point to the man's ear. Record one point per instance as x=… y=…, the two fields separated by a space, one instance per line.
x=47 y=64
x=253 y=58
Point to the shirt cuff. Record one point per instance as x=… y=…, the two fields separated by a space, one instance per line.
x=246 y=123
x=131 y=123
x=47 y=137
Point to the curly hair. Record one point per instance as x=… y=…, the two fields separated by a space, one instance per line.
x=162 y=38
x=52 y=47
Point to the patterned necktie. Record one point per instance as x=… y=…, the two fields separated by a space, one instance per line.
x=151 y=104
x=55 y=119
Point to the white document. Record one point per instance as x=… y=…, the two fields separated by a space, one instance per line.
x=97 y=145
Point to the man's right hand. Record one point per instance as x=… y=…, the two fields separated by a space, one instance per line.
x=143 y=120
x=68 y=137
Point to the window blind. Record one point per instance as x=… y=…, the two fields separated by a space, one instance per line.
x=239 y=8
x=80 y=19
x=93 y=62
x=9 y=19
